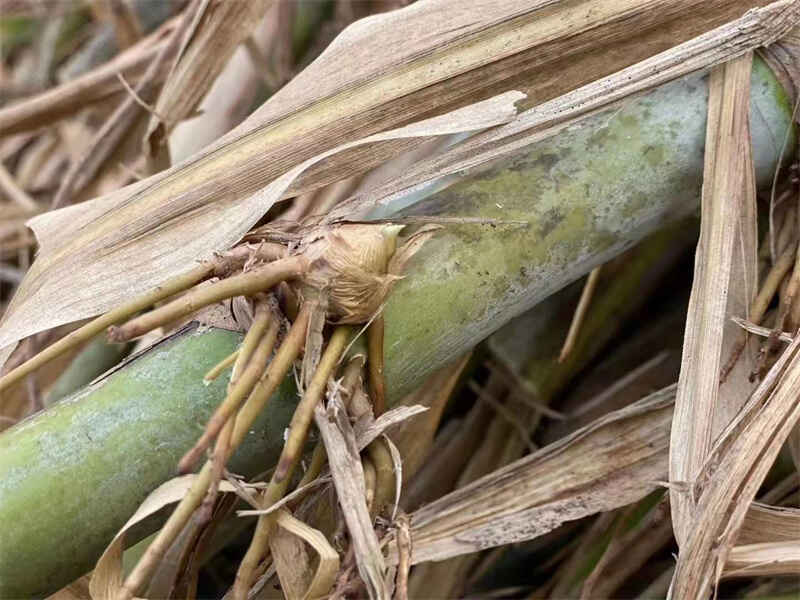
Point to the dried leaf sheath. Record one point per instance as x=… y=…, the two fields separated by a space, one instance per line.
x=724 y=283
x=731 y=478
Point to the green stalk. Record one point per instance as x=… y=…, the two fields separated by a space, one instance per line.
x=95 y=359
x=587 y=194
x=71 y=476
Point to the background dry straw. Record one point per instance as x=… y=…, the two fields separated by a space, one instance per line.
x=464 y=416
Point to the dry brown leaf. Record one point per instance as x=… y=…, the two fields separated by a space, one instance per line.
x=292 y=562
x=775 y=558
x=113 y=249
x=218 y=28
x=348 y=478
x=106 y=580
x=757 y=27
x=733 y=472
x=614 y=461
x=367 y=430
x=95 y=86
x=769 y=524
x=724 y=285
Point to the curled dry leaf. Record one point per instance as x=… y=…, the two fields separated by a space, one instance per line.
x=218 y=29
x=292 y=563
x=106 y=580
x=368 y=430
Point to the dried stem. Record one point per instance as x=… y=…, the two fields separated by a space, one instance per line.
x=580 y=314
x=245 y=284
x=761 y=302
x=787 y=299
x=280 y=365
x=250 y=343
x=298 y=431
x=377 y=383
x=221 y=266
x=771 y=283
x=218 y=460
x=318 y=459
x=144 y=569
x=260 y=542
x=14 y=192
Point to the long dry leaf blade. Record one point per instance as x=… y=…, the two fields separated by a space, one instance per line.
x=221 y=27
x=602 y=466
x=612 y=462
x=724 y=283
x=734 y=471
x=756 y=28
x=113 y=252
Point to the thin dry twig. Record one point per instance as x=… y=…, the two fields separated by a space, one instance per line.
x=13 y=192
x=113 y=131
x=580 y=313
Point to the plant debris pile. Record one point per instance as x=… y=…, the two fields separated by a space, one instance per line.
x=399 y=299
